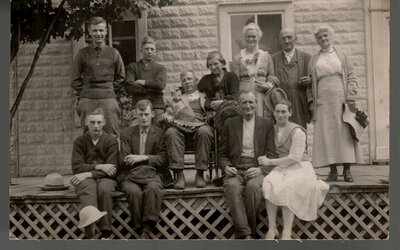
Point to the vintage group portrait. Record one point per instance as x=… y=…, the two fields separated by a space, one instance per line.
x=199 y=119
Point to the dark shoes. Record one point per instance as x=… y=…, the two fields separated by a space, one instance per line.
x=199 y=180
x=332 y=176
x=180 y=182
x=347 y=176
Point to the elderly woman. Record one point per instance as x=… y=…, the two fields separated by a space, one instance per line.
x=333 y=83
x=219 y=84
x=254 y=66
x=292 y=184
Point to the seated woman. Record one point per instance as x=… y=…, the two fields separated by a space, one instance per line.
x=292 y=184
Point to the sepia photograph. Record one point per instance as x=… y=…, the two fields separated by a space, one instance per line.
x=199 y=120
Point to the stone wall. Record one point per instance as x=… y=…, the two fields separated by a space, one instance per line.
x=186 y=32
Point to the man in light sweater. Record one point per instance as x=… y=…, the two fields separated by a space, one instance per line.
x=98 y=71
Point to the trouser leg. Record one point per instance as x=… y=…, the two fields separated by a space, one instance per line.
x=175 y=148
x=105 y=189
x=253 y=200
x=112 y=115
x=153 y=196
x=233 y=189
x=202 y=141
x=134 y=195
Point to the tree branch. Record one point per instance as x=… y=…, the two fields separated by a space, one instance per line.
x=39 y=50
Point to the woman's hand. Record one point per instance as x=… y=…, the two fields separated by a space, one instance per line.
x=264 y=161
x=215 y=104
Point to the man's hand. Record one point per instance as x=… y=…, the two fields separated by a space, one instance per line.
x=132 y=159
x=108 y=169
x=273 y=79
x=252 y=173
x=78 y=178
x=230 y=171
x=305 y=80
x=215 y=104
x=263 y=160
x=263 y=86
x=140 y=82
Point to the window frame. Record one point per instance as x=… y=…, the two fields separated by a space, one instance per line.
x=225 y=10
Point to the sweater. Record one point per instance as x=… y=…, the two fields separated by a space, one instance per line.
x=96 y=74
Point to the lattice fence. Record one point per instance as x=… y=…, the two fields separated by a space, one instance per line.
x=358 y=215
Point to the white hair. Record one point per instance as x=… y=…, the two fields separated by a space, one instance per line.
x=323 y=28
x=252 y=26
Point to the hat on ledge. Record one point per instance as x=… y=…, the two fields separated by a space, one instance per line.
x=54 y=182
x=89 y=215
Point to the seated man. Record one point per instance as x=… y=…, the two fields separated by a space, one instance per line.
x=243 y=139
x=189 y=107
x=143 y=169
x=94 y=157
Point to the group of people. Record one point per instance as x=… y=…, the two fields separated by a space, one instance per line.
x=261 y=148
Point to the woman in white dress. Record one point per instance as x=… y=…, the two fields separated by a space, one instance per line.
x=254 y=66
x=292 y=184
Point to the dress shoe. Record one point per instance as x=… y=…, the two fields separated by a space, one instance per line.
x=332 y=176
x=347 y=176
x=199 y=180
x=180 y=180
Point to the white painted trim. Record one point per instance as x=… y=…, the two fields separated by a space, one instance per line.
x=226 y=9
x=141 y=32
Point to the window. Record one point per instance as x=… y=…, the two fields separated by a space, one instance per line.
x=270 y=16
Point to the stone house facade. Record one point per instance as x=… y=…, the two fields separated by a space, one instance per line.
x=45 y=125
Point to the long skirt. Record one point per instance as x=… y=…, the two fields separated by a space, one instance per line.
x=332 y=141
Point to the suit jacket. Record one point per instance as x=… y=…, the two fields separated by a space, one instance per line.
x=302 y=60
x=154 y=149
x=231 y=140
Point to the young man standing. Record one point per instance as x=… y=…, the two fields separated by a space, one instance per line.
x=94 y=160
x=146 y=79
x=98 y=71
x=143 y=168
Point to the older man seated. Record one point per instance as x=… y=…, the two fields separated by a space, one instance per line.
x=188 y=108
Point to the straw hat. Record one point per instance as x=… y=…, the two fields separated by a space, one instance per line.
x=89 y=215
x=54 y=182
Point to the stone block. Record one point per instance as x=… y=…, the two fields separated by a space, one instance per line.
x=181 y=66
x=160 y=23
x=154 y=12
x=172 y=56
x=208 y=21
x=155 y=33
x=207 y=10
x=180 y=44
x=169 y=66
x=188 y=11
x=208 y=32
x=179 y=22
x=199 y=66
x=194 y=21
x=189 y=32
x=164 y=45
x=170 y=11
x=190 y=55
x=170 y=33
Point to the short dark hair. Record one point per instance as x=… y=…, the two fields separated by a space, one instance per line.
x=148 y=39
x=96 y=20
x=96 y=111
x=285 y=102
x=218 y=55
x=143 y=104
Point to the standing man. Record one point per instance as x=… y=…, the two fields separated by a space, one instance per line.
x=94 y=160
x=98 y=71
x=143 y=169
x=243 y=139
x=291 y=69
x=146 y=79
x=189 y=107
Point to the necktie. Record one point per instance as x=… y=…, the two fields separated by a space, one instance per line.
x=143 y=137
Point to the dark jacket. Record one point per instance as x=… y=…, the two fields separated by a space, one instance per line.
x=231 y=140
x=154 y=149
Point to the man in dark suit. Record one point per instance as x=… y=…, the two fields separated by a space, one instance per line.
x=291 y=69
x=143 y=169
x=243 y=139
